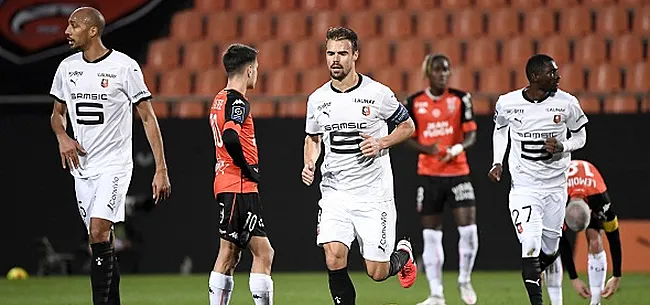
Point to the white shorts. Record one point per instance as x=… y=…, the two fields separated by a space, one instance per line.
x=102 y=196
x=371 y=223
x=534 y=214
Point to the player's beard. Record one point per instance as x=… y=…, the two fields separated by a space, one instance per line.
x=344 y=73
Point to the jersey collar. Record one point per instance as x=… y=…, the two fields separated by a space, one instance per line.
x=435 y=98
x=546 y=95
x=351 y=88
x=98 y=59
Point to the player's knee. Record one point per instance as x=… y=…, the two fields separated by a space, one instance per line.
x=335 y=258
x=377 y=274
x=530 y=247
x=265 y=257
x=98 y=235
x=595 y=245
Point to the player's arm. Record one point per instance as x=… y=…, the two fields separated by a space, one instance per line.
x=499 y=143
x=394 y=112
x=236 y=112
x=161 y=186
x=412 y=142
x=613 y=236
x=575 y=122
x=566 y=255
x=312 y=146
x=469 y=129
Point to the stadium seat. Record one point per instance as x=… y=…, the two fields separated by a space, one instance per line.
x=590 y=104
x=281 y=82
x=420 y=4
x=494 y=81
x=525 y=4
x=638 y=78
x=415 y=81
x=467 y=23
x=431 y=24
x=575 y=21
x=516 y=51
x=560 y=3
x=642 y=20
x=488 y=4
x=312 y=79
x=150 y=79
x=322 y=21
x=199 y=54
x=397 y=24
x=293 y=108
x=482 y=106
x=481 y=52
x=630 y=3
x=597 y=3
x=350 y=5
x=611 y=20
x=373 y=53
x=454 y=4
x=462 y=78
x=291 y=26
x=222 y=26
x=450 y=47
x=187 y=26
x=306 y=54
x=621 y=104
x=519 y=77
x=590 y=50
x=605 y=78
x=314 y=5
x=256 y=26
x=409 y=53
x=271 y=54
x=280 y=6
x=190 y=109
x=161 y=109
x=627 y=49
x=261 y=110
x=539 y=23
x=365 y=23
x=555 y=46
x=210 y=82
x=572 y=78
x=163 y=54
x=175 y=82
x=503 y=23
x=386 y=5
x=209 y=6
x=391 y=77
x=245 y=6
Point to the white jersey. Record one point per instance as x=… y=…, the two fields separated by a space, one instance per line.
x=99 y=96
x=530 y=124
x=341 y=117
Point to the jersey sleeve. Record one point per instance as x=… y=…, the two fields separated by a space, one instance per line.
x=467 y=115
x=235 y=113
x=57 y=84
x=408 y=104
x=136 y=88
x=499 y=119
x=390 y=109
x=311 y=124
x=577 y=118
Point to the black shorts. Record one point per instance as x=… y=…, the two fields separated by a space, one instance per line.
x=240 y=217
x=434 y=192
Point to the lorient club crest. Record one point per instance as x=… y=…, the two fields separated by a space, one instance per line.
x=104 y=82
x=32 y=30
x=365 y=110
x=557 y=118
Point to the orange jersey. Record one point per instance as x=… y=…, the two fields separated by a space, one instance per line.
x=231 y=110
x=584 y=180
x=443 y=120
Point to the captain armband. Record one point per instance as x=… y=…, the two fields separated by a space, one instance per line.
x=611 y=226
x=400 y=115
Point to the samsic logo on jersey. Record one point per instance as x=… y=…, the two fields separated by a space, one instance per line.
x=345 y=125
x=33 y=30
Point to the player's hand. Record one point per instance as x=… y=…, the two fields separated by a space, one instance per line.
x=581 y=288
x=370 y=147
x=433 y=148
x=495 y=172
x=552 y=145
x=611 y=287
x=161 y=186
x=69 y=150
x=308 y=173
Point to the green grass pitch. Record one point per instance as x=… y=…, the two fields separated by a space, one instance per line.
x=493 y=288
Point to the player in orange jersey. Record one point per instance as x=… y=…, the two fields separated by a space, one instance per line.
x=235 y=183
x=589 y=208
x=445 y=127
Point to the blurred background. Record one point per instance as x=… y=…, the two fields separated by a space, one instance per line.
x=601 y=47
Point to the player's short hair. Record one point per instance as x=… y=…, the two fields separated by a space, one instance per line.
x=341 y=33
x=427 y=64
x=238 y=56
x=578 y=215
x=535 y=65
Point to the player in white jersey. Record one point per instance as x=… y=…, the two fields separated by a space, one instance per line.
x=97 y=88
x=349 y=113
x=536 y=119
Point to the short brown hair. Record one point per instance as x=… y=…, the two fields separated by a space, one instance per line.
x=341 y=33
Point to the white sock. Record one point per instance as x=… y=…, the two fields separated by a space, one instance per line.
x=597 y=272
x=433 y=257
x=553 y=279
x=221 y=286
x=467 y=249
x=261 y=286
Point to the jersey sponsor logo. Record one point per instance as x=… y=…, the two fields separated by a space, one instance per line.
x=34 y=29
x=438 y=129
x=75 y=73
x=364 y=101
x=137 y=95
x=463 y=192
x=365 y=110
x=323 y=106
x=90 y=96
x=451 y=104
x=113 y=199
x=106 y=75
x=238 y=111
x=514 y=111
x=382 y=240
x=436 y=112
x=537 y=135
x=345 y=125
x=104 y=83
x=555 y=109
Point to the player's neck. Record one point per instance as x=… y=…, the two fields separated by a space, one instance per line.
x=534 y=93
x=94 y=51
x=237 y=85
x=351 y=80
x=436 y=92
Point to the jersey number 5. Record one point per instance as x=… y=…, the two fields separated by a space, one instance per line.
x=534 y=151
x=345 y=142
x=93 y=117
